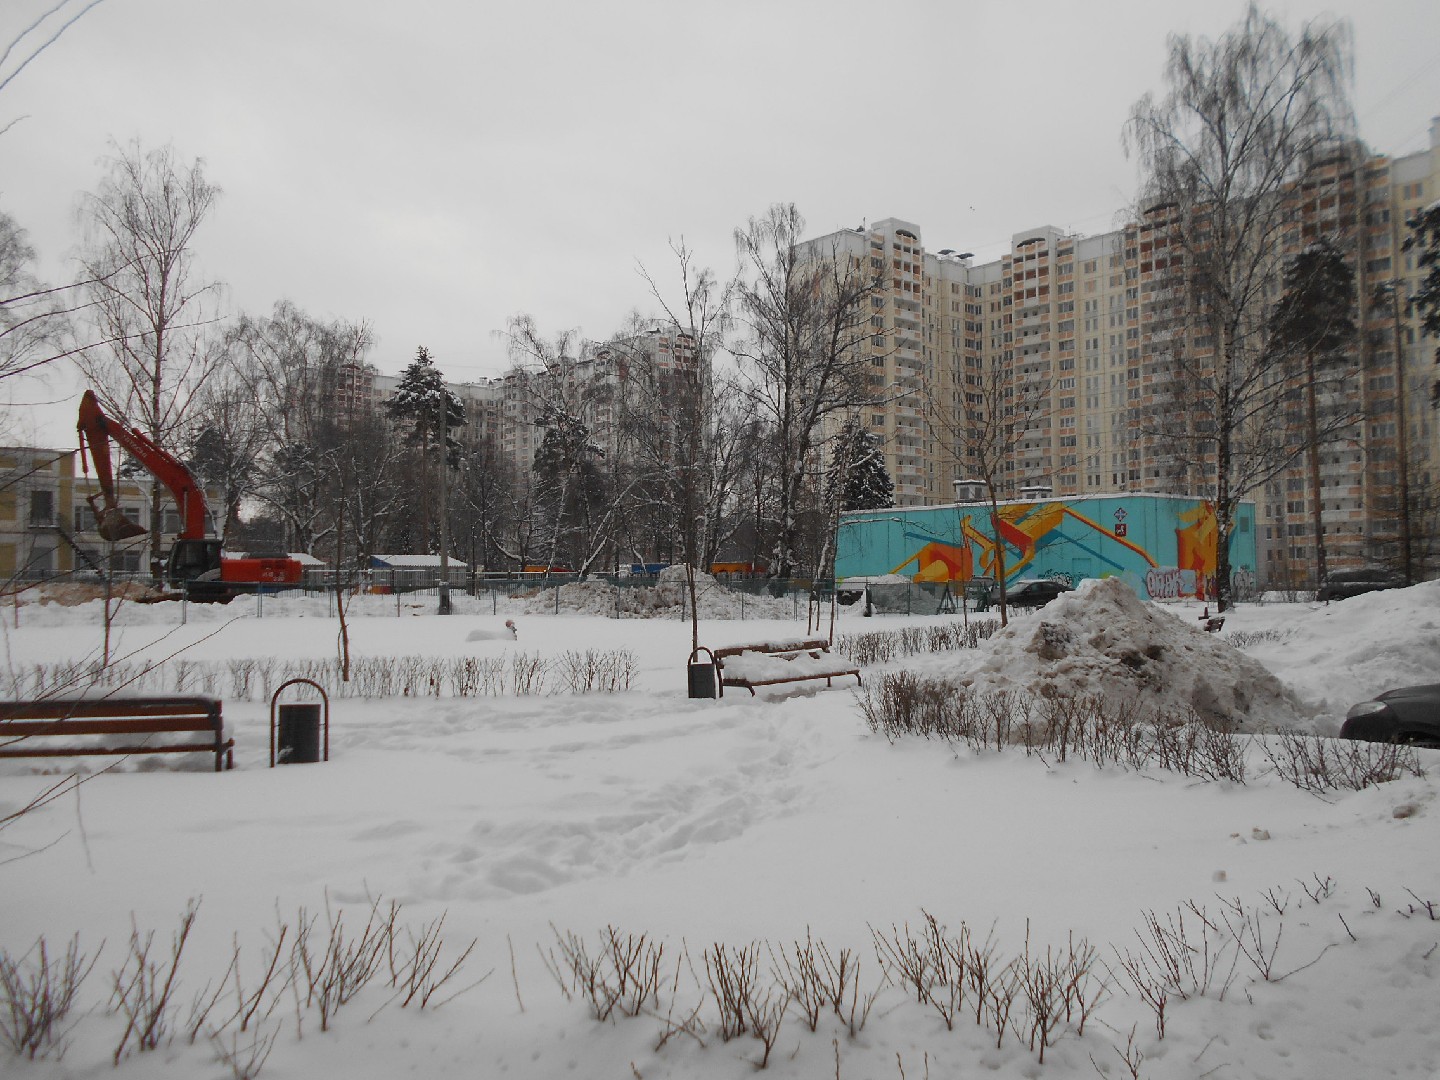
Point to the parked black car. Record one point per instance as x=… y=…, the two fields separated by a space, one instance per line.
x=1343 y=583
x=1031 y=592
x=1410 y=714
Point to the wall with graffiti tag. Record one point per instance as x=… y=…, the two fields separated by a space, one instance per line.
x=1163 y=546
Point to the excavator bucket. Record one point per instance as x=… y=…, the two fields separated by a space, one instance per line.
x=113 y=524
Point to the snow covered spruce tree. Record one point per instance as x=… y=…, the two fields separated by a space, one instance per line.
x=805 y=316
x=426 y=410
x=1312 y=324
x=857 y=472
x=1424 y=240
x=1242 y=119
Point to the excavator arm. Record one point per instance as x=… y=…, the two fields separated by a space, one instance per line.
x=96 y=430
x=196 y=562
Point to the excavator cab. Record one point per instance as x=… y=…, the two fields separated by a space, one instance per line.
x=193 y=560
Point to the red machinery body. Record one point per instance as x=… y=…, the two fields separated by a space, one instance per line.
x=196 y=561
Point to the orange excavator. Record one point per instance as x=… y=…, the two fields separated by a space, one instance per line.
x=196 y=563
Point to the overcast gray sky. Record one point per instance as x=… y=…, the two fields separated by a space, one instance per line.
x=439 y=166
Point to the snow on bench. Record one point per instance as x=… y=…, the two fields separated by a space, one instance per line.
x=767 y=663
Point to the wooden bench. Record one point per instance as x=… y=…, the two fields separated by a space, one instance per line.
x=1213 y=623
x=768 y=663
x=130 y=725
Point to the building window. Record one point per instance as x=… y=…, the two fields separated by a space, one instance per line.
x=42 y=508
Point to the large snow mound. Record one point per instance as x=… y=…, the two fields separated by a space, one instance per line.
x=1352 y=649
x=1103 y=640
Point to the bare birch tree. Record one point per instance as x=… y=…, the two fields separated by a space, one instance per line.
x=155 y=312
x=982 y=436
x=1242 y=119
x=805 y=314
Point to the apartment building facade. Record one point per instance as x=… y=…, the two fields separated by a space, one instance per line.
x=1092 y=324
x=604 y=387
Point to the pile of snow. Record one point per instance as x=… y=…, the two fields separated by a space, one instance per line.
x=1103 y=640
x=667 y=598
x=508 y=632
x=1351 y=649
x=73 y=593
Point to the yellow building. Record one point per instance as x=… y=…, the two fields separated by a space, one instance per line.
x=47 y=528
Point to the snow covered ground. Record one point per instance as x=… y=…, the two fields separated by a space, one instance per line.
x=768 y=821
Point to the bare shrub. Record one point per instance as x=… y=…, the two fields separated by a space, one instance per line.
x=258 y=1002
x=345 y=963
x=1429 y=908
x=410 y=674
x=244 y=1053
x=733 y=973
x=1243 y=639
x=797 y=970
x=241 y=673
x=1248 y=928
x=745 y=1005
x=883 y=646
x=145 y=988
x=1317 y=764
x=606 y=671
x=1183 y=955
x=37 y=993
x=527 y=674
x=415 y=971
x=1060 y=986
x=623 y=973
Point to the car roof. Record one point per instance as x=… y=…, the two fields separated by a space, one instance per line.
x=1427 y=690
x=1367 y=573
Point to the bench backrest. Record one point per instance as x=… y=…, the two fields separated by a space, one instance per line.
x=103 y=716
x=798 y=645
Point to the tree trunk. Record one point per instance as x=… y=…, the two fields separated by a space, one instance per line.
x=1312 y=446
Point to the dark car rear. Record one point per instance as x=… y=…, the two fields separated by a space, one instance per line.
x=1346 y=583
x=1032 y=592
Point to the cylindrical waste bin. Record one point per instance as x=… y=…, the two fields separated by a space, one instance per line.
x=702 y=676
x=298 y=734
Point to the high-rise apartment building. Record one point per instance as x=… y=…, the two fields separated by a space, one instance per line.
x=1093 y=325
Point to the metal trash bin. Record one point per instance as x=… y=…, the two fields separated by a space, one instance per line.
x=702 y=678
x=298 y=739
x=299 y=732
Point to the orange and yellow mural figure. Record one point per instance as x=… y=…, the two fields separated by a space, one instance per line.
x=1163 y=545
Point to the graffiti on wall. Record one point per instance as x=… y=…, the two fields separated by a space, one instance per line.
x=1062 y=540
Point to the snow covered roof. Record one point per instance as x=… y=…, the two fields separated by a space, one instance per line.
x=412 y=562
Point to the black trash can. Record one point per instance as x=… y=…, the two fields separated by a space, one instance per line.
x=703 y=677
x=298 y=735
